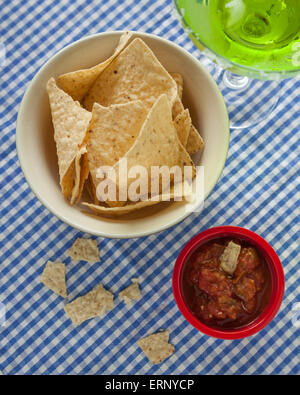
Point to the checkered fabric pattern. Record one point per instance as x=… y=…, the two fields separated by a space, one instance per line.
x=259 y=190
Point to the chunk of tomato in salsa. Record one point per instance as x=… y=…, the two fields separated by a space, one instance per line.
x=245 y=288
x=247 y=262
x=209 y=252
x=216 y=296
x=214 y=283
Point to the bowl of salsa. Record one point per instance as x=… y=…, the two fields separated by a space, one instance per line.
x=228 y=282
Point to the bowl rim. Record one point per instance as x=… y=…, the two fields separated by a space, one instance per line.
x=50 y=207
x=277 y=275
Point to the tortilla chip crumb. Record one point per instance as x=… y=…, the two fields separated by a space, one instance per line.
x=94 y=304
x=131 y=293
x=229 y=258
x=54 y=278
x=85 y=250
x=156 y=347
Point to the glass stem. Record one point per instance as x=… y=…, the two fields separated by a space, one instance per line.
x=234 y=81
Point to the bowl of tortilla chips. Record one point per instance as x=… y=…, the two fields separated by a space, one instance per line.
x=115 y=97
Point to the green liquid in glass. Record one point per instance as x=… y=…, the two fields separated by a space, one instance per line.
x=260 y=34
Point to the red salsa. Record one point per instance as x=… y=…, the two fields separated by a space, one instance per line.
x=226 y=300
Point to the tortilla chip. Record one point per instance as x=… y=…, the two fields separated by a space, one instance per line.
x=78 y=176
x=112 y=132
x=70 y=124
x=85 y=250
x=77 y=83
x=183 y=125
x=84 y=174
x=136 y=74
x=177 y=107
x=156 y=347
x=119 y=211
x=91 y=189
x=156 y=145
x=94 y=304
x=131 y=293
x=195 y=142
x=178 y=191
x=179 y=82
x=67 y=183
x=54 y=278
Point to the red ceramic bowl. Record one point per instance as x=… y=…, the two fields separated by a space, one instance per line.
x=277 y=277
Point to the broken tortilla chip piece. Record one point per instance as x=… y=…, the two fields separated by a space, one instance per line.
x=156 y=145
x=136 y=74
x=70 y=124
x=112 y=132
x=94 y=304
x=85 y=250
x=131 y=293
x=77 y=83
x=156 y=347
x=54 y=278
x=183 y=125
x=229 y=258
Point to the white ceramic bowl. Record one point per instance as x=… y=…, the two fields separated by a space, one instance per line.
x=36 y=147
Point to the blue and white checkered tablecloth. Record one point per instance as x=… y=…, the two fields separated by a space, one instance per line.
x=259 y=190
